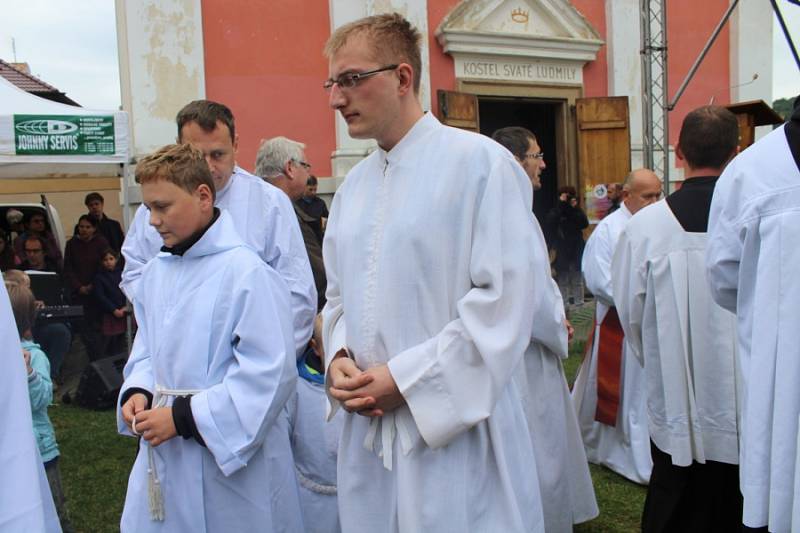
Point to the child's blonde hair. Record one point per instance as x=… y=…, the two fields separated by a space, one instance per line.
x=180 y=164
x=23 y=305
x=17 y=276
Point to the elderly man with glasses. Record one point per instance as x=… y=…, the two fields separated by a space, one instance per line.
x=281 y=162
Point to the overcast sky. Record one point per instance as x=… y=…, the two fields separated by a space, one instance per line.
x=73 y=46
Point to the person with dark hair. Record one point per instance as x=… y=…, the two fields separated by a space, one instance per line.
x=614 y=195
x=751 y=264
x=524 y=146
x=565 y=224
x=685 y=341
x=8 y=259
x=314 y=206
x=107 y=227
x=36 y=224
x=36 y=256
x=551 y=418
x=263 y=215
x=111 y=303
x=81 y=262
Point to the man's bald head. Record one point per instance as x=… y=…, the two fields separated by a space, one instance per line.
x=641 y=188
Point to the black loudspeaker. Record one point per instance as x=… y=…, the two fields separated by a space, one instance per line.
x=100 y=383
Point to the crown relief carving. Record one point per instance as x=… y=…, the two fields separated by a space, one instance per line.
x=520 y=16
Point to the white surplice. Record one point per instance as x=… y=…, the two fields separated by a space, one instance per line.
x=26 y=503
x=202 y=328
x=624 y=448
x=563 y=471
x=686 y=341
x=428 y=254
x=315 y=444
x=265 y=220
x=752 y=264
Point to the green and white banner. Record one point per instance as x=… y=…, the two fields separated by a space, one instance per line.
x=64 y=135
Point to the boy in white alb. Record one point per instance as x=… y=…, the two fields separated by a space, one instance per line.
x=204 y=368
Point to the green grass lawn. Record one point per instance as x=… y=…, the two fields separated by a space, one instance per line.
x=95 y=462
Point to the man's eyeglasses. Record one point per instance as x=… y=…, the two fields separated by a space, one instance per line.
x=302 y=163
x=540 y=155
x=351 y=79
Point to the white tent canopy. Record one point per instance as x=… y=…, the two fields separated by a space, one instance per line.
x=40 y=138
x=36 y=130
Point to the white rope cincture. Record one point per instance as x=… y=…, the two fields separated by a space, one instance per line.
x=313 y=486
x=391 y=424
x=155 y=492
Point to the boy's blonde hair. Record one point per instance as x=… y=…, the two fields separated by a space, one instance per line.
x=17 y=276
x=23 y=305
x=392 y=38
x=180 y=164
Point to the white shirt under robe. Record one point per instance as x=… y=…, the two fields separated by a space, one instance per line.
x=624 y=448
x=752 y=262
x=686 y=342
x=315 y=444
x=564 y=479
x=428 y=254
x=202 y=328
x=26 y=503
x=265 y=219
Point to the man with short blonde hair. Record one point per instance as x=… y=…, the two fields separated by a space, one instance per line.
x=428 y=312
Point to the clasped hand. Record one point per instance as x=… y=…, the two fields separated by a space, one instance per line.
x=371 y=392
x=154 y=425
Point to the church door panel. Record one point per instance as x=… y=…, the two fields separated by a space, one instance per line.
x=604 y=149
x=459 y=110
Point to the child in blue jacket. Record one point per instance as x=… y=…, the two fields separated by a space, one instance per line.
x=40 y=388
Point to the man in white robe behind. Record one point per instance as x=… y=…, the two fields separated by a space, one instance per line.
x=564 y=478
x=26 y=503
x=262 y=214
x=686 y=342
x=752 y=264
x=428 y=252
x=210 y=371
x=609 y=391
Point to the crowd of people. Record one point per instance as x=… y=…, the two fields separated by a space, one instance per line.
x=395 y=364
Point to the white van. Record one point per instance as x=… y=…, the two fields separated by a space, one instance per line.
x=49 y=211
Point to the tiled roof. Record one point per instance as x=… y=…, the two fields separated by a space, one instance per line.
x=32 y=84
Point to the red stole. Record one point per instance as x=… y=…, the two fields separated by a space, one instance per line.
x=609 y=367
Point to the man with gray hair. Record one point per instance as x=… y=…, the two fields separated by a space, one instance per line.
x=281 y=162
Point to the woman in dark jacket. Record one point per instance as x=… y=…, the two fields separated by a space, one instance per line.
x=81 y=262
x=565 y=224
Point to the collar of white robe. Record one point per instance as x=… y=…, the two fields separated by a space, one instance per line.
x=393 y=423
